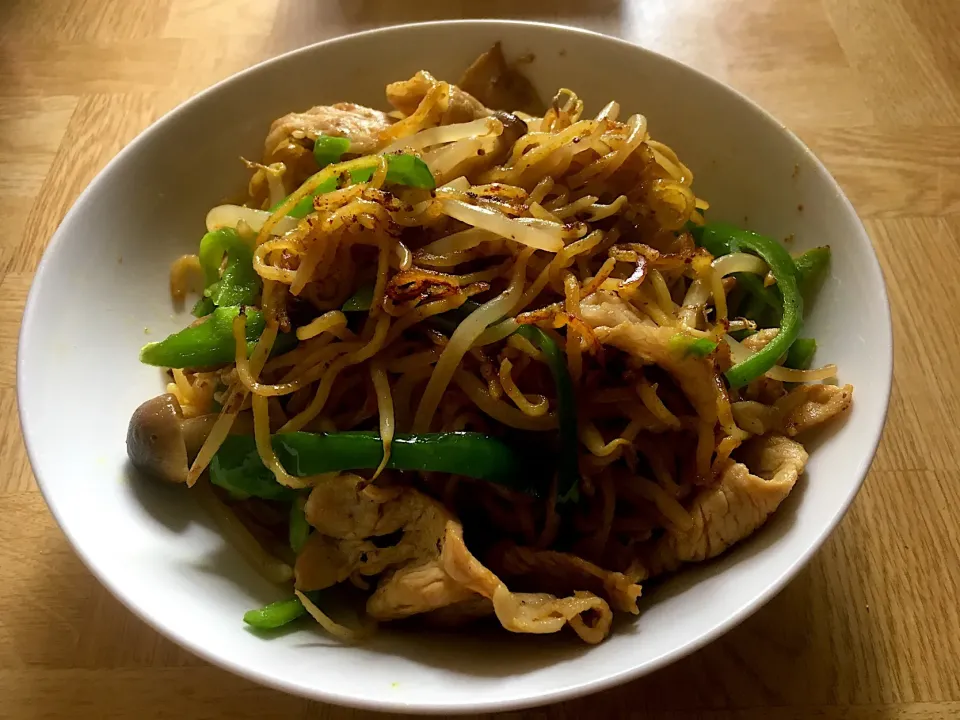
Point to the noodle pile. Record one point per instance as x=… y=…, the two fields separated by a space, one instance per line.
x=579 y=225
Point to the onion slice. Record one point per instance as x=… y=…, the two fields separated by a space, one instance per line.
x=739 y=262
x=739 y=353
x=610 y=112
x=461 y=184
x=231 y=215
x=533 y=235
x=458 y=242
x=446 y=134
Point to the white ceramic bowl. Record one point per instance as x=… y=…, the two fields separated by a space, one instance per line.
x=103 y=281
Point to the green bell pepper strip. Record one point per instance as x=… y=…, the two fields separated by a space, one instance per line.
x=764 y=305
x=328 y=149
x=800 y=354
x=689 y=346
x=401 y=170
x=731 y=239
x=406 y=170
x=305 y=206
x=243 y=474
x=276 y=614
x=299 y=527
x=210 y=342
x=568 y=472
x=811 y=270
x=239 y=283
x=360 y=301
x=714 y=242
x=764 y=301
x=237 y=464
x=203 y=307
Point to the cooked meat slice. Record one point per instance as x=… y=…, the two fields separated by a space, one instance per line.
x=804 y=407
x=539 y=613
x=406 y=95
x=360 y=124
x=414 y=589
x=500 y=86
x=461 y=613
x=762 y=389
x=341 y=509
x=589 y=615
x=562 y=573
x=445 y=573
x=749 y=492
x=616 y=323
x=428 y=568
x=324 y=561
x=755 y=417
x=809 y=405
x=777 y=460
x=321 y=564
x=758 y=341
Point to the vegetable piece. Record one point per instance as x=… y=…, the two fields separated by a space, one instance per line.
x=764 y=306
x=161 y=442
x=243 y=476
x=230 y=216
x=305 y=206
x=299 y=527
x=328 y=149
x=447 y=322
x=361 y=300
x=408 y=170
x=401 y=170
x=209 y=342
x=687 y=345
x=721 y=236
x=203 y=307
x=569 y=476
x=800 y=355
x=535 y=233
x=568 y=473
x=811 y=270
x=276 y=614
x=237 y=463
x=716 y=243
x=239 y=283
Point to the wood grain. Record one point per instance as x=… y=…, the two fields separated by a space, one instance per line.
x=870 y=629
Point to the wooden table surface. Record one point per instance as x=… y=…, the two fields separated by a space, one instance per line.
x=870 y=629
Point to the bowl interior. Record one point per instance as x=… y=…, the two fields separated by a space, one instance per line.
x=101 y=293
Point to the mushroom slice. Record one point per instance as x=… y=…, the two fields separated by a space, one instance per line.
x=161 y=441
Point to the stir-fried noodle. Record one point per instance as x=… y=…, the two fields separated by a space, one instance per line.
x=480 y=362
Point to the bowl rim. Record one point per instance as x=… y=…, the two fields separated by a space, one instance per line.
x=384 y=704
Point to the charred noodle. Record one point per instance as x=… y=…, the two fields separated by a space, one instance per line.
x=519 y=329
